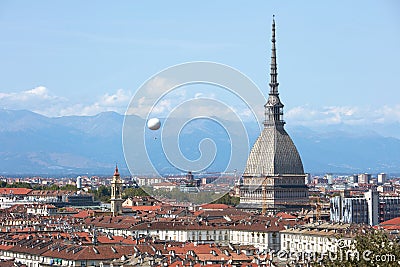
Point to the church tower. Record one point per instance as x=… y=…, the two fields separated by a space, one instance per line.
x=274 y=178
x=116 y=193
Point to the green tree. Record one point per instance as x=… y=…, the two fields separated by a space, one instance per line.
x=37 y=187
x=133 y=192
x=371 y=248
x=69 y=187
x=53 y=187
x=228 y=200
x=103 y=193
x=19 y=185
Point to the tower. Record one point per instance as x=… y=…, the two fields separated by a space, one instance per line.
x=116 y=193
x=79 y=182
x=382 y=178
x=274 y=177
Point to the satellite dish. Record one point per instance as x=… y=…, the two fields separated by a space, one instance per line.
x=154 y=124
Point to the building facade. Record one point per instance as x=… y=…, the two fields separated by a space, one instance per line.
x=274 y=177
x=316 y=238
x=382 y=178
x=364 y=178
x=370 y=208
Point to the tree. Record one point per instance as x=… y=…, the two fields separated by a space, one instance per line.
x=133 y=192
x=69 y=187
x=228 y=200
x=103 y=193
x=37 y=187
x=53 y=187
x=372 y=248
x=19 y=185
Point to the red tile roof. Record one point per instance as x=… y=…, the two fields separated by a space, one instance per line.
x=83 y=214
x=393 y=224
x=116 y=240
x=395 y=221
x=5 y=247
x=284 y=215
x=104 y=252
x=14 y=191
x=10 y=263
x=144 y=208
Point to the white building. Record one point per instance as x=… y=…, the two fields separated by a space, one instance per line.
x=41 y=209
x=364 y=178
x=316 y=238
x=9 y=201
x=329 y=177
x=165 y=186
x=262 y=234
x=147 y=181
x=382 y=178
x=79 y=182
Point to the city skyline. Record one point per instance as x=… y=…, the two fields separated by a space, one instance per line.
x=336 y=62
x=265 y=134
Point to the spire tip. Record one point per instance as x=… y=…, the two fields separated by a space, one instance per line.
x=116 y=173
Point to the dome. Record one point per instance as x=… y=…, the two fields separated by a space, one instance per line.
x=273 y=153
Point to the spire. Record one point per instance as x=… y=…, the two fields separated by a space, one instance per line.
x=274 y=69
x=274 y=106
x=116 y=173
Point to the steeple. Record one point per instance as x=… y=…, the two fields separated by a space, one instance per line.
x=116 y=193
x=116 y=173
x=274 y=106
x=274 y=69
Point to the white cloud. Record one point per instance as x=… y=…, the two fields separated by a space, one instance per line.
x=157 y=86
x=388 y=114
x=307 y=116
x=162 y=107
x=148 y=95
x=36 y=94
x=35 y=99
x=117 y=102
x=152 y=98
x=120 y=97
x=43 y=101
x=39 y=91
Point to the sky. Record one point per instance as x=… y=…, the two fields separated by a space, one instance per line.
x=338 y=61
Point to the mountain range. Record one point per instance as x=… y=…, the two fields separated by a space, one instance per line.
x=34 y=144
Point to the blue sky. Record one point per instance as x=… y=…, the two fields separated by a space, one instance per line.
x=338 y=61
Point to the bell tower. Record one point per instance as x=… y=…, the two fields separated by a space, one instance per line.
x=116 y=193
